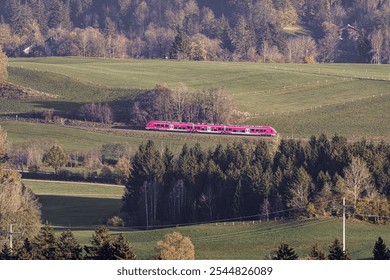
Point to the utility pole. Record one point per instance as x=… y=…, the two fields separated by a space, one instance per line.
x=344 y=224
x=10 y=233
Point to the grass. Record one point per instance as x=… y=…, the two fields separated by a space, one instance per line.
x=77 y=139
x=76 y=204
x=288 y=92
x=368 y=118
x=72 y=139
x=80 y=206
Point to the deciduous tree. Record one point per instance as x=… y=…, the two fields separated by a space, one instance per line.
x=175 y=246
x=18 y=206
x=3 y=66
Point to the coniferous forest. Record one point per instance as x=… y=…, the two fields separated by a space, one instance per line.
x=302 y=31
x=244 y=181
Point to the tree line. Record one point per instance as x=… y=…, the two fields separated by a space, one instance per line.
x=336 y=252
x=249 y=30
x=214 y=105
x=173 y=246
x=288 y=178
x=103 y=246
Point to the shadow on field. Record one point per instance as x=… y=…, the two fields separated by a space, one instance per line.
x=71 y=211
x=61 y=106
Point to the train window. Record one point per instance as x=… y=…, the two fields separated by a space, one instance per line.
x=189 y=127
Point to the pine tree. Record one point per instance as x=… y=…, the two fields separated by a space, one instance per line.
x=99 y=242
x=316 y=253
x=25 y=252
x=380 y=251
x=284 y=252
x=6 y=253
x=336 y=251
x=44 y=245
x=121 y=249
x=55 y=157
x=144 y=185
x=180 y=47
x=68 y=247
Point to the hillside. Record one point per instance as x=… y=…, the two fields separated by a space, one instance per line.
x=237 y=30
x=299 y=100
x=79 y=207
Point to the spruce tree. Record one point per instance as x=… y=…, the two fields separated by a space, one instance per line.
x=121 y=249
x=6 y=253
x=25 y=252
x=99 y=242
x=336 y=251
x=380 y=251
x=284 y=252
x=316 y=253
x=68 y=247
x=180 y=47
x=44 y=245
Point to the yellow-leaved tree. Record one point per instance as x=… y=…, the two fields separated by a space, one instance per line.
x=175 y=246
x=3 y=66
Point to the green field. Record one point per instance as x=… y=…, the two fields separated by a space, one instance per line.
x=303 y=100
x=76 y=204
x=80 y=206
x=72 y=139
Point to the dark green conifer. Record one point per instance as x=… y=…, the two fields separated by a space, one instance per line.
x=121 y=249
x=25 y=252
x=380 y=251
x=336 y=251
x=6 y=253
x=99 y=242
x=44 y=245
x=316 y=253
x=68 y=247
x=284 y=252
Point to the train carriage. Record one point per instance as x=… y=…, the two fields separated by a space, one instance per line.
x=211 y=128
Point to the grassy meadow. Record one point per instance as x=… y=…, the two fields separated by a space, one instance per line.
x=79 y=139
x=81 y=206
x=299 y=100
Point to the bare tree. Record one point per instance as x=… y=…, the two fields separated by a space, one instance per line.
x=179 y=96
x=376 y=44
x=357 y=179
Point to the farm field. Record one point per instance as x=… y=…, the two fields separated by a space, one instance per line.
x=296 y=99
x=76 y=204
x=85 y=140
x=80 y=206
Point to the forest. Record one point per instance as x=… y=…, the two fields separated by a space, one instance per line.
x=302 y=31
x=287 y=178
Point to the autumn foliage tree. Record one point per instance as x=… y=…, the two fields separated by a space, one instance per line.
x=18 y=206
x=3 y=65
x=175 y=246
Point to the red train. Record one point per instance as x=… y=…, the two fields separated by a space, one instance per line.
x=211 y=128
